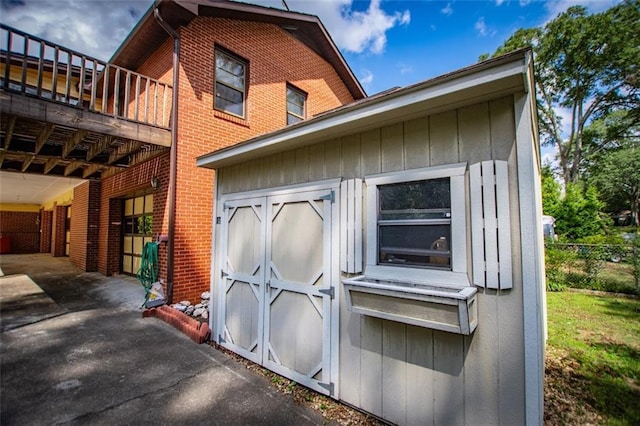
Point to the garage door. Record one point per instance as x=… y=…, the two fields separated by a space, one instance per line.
x=277 y=294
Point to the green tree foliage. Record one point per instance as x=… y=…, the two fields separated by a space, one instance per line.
x=617 y=177
x=578 y=213
x=550 y=191
x=587 y=65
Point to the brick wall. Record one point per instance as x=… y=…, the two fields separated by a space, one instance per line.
x=46 y=217
x=58 y=231
x=22 y=230
x=83 y=250
x=274 y=59
x=134 y=181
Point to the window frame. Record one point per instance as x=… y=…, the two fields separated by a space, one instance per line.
x=304 y=94
x=217 y=50
x=456 y=277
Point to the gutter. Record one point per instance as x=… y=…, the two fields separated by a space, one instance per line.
x=173 y=156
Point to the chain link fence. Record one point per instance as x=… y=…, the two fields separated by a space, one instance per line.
x=604 y=267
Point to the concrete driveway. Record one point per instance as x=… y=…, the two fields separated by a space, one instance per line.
x=79 y=352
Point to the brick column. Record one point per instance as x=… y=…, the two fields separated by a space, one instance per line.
x=58 y=230
x=45 y=230
x=83 y=248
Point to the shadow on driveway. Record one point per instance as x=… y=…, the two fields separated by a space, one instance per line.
x=98 y=361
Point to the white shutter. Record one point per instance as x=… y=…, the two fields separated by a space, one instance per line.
x=490 y=225
x=351 y=217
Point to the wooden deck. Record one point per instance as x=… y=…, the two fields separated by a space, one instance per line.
x=64 y=113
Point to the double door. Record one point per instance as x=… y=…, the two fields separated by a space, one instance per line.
x=277 y=304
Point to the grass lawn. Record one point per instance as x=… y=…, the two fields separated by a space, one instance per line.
x=593 y=359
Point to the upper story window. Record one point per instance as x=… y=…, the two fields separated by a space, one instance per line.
x=296 y=105
x=231 y=84
x=416 y=224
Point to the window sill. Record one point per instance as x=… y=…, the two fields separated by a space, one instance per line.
x=451 y=309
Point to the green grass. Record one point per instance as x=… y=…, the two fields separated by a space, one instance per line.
x=599 y=338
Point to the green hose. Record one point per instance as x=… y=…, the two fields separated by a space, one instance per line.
x=149 y=267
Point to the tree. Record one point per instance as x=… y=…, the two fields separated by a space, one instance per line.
x=550 y=191
x=617 y=177
x=578 y=213
x=586 y=65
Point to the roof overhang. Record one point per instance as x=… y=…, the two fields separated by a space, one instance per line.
x=147 y=35
x=487 y=80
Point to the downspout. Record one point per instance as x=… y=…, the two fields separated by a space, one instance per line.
x=173 y=156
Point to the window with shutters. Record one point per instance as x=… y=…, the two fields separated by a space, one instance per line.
x=416 y=223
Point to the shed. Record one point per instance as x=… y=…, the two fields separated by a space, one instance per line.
x=389 y=253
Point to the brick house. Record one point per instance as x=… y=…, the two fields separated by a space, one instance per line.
x=244 y=70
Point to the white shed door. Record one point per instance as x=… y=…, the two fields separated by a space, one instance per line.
x=242 y=292
x=277 y=286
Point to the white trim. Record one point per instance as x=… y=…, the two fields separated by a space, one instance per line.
x=446 y=170
x=215 y=261
x=458 y=224
x=282 y=190
x=457 y=277
x=335 y=302
x=504 y=223
x=532 y=258
x=351 y=220
x=477 y=225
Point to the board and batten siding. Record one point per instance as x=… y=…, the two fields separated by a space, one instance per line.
x=403 y=373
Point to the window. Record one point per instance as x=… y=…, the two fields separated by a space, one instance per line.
x=230 y=84
x=416 y=225
x=296 y=105
x=137 y=230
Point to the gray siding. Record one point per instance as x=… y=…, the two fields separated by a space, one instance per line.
x=403 y=373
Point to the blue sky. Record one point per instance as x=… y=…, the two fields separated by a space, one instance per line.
x=387 y=43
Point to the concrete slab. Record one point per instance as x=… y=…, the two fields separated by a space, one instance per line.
x=23 y=302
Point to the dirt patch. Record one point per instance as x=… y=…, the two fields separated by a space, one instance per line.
x=331 y=409
x=566 y=395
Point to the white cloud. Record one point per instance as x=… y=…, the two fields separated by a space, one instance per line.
x=405 y=69
x=499 y=2
x=98 y=27
x=481 y=26
x=356 y=31
x=366 y=78
x=95 y=28
x=447 y=10
x=483 y=29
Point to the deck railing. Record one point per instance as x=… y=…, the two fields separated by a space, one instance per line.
x=32 y=66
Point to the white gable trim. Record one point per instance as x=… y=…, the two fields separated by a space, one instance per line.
x=532 y=249
x=503 y=75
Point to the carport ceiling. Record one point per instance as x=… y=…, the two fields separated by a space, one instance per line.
x=26 y=188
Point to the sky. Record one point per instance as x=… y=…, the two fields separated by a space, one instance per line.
x=387 y=43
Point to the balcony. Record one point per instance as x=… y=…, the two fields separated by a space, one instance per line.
x=67 y=114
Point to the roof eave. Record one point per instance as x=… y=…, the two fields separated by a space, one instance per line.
x=486 y=80
x=182 y=12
